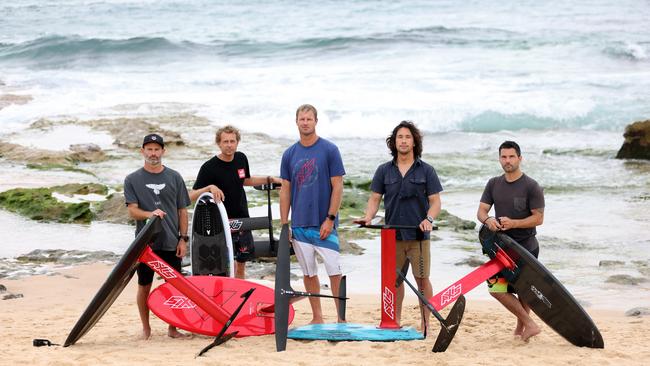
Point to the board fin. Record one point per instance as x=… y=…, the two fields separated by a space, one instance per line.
x=342 y=297
x=281 y=305
x=220 y=338
x=449 y=325
x=452 y=323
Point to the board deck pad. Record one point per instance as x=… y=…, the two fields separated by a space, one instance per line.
x=545 y=295
x=176 y=309
x=115 y=283
x=211 y=245
x=353 y=332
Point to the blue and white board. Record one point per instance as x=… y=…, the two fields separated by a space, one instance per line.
x=353 y=332
x=211 y=249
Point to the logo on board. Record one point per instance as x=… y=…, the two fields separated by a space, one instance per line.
x=450 y=294
x=235 y=225
x=179 y=302
x=388 y=298
x=162 y=269
x=541 y=296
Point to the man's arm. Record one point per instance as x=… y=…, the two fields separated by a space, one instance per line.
x=285 y=201
x=335 y=203
x=536 y=218
x=483 y=216
x=258 y=180
x=181 y=248
x=371 y=209
x=434 y=210
x=138 y=214
x=216 y=192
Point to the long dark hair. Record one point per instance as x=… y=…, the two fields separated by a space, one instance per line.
x=417 y=139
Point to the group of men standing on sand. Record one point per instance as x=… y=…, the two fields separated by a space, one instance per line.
x=311 y=175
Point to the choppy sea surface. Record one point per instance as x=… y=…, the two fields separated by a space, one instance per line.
x=561 y=78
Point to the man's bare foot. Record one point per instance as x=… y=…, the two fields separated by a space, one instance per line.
x=174 y=333
x=317 y=321
x=530 y=331
x=341 y=321
x=519 y=330
x=146 y=334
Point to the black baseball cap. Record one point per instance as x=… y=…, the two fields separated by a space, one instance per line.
x=155 y=138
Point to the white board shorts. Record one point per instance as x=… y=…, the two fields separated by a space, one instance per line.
x=307 y=243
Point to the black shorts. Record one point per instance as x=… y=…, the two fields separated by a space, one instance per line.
x=145 y=274
x=244 y=246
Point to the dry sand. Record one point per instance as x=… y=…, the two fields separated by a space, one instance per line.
x=52 y=304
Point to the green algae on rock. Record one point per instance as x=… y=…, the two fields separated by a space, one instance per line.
x=39 y=204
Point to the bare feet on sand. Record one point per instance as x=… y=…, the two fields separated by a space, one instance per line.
x=530 y=331
x=174 y=333
x=146 y=334
x=519 y=330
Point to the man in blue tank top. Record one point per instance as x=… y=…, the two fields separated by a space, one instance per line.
x=312 y=187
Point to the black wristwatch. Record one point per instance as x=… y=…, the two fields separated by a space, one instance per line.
x=184 y=238
x=331 y=217
x=430 y=219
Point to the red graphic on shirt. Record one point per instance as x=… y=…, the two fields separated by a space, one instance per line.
x=242 y=173
x=305 y=173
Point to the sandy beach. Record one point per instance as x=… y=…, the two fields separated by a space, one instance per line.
x=82 y=82
x=52 y=304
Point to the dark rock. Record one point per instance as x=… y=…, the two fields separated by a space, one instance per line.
x=625 y=280
x=81 y=188
x=349 y=247
x=471 y=261
x=66 y=256
x=3 y=289
x=19 y=153
x=54 y=166
x=87 y=153
x=610 y=263
x=445 y=219
x=12 y=296
x=637 y=141
x=638 y=311
x=113 y=210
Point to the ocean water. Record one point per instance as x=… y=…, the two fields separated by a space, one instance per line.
x=562 y=78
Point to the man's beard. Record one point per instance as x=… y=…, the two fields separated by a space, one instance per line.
x=153 y=161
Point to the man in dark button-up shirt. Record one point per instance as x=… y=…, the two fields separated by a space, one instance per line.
x=411 y=191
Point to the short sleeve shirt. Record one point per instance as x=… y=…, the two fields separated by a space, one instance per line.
x=514 y=200
x=229 y=177
x=309 y=169
x=165 y=191
x=406 y=199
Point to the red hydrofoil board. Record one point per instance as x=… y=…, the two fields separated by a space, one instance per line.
x=176 y=309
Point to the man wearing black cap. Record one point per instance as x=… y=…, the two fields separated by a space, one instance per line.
x=156 y=190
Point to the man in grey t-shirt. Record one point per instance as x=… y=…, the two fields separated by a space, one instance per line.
x=519 y=207
x=156 y=190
